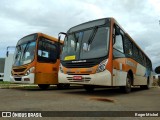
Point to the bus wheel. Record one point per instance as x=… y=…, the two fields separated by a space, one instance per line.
x=89 y=88
x=127 y=88
x=145 y=87
x=44 y=86
x=63 y=86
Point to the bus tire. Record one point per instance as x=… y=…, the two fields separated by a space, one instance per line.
x=63 y=86
x=44 y=86
x=127 y=88
x=89 y=88
x=145 y=87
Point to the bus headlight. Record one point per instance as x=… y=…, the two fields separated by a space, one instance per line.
x=31 y=70
x=61 y=68
x=102 y=66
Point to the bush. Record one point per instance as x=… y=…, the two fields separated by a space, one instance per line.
x=155 y=82
x=158 y=82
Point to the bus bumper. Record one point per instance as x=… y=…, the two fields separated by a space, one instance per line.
x=29 y=79
x=101 y=78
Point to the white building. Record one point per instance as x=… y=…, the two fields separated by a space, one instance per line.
x=156 y=76
x=8 y=67
x=2 y=62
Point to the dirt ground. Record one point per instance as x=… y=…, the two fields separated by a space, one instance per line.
x=77 y=99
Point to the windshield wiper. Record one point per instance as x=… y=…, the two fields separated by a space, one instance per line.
x=76 y=40
x=25 y=49
x=92 y=35
x=19 y=47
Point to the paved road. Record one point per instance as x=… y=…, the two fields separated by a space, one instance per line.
x=77 y=99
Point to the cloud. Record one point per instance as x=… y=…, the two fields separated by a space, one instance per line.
x=22 y=17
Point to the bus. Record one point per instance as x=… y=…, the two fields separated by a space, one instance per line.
x=36 y=61
x=101 y=53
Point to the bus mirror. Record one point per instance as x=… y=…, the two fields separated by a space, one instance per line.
x=157 y=70
x=59 y=35
x=59 y=38
x=7 y=53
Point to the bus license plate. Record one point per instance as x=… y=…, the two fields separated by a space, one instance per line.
x=77 y=77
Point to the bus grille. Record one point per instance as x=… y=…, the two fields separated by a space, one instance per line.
x=89 y=63
x=19 y=70
x=80 y=65
x=18 y=74
x=17 y=79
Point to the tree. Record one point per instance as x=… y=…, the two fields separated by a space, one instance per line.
x=157 y=70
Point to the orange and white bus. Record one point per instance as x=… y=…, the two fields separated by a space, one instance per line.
x=101 y=53
x=36 y=61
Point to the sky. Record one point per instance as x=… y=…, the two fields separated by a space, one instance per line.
x=139 y=18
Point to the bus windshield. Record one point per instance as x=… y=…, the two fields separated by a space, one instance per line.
x=25 y=51
x=87 y=44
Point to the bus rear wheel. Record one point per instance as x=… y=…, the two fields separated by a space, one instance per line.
x=44 y=86
x=127 y=88
x=89 y=88
x=63 y=86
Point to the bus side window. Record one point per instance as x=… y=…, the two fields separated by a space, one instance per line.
x=144 y=59
x=128 y=47
x=118 y=45
x=141 y=57
x=47 y=51
x=135 y=53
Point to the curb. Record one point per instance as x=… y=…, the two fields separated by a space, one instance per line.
x=12 y=86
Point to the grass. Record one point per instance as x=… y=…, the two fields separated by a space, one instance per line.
x=4 y=82
x=10 y=85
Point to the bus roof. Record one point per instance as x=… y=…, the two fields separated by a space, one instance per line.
x=92 y=23
x=42 y=34
x=49 y=37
